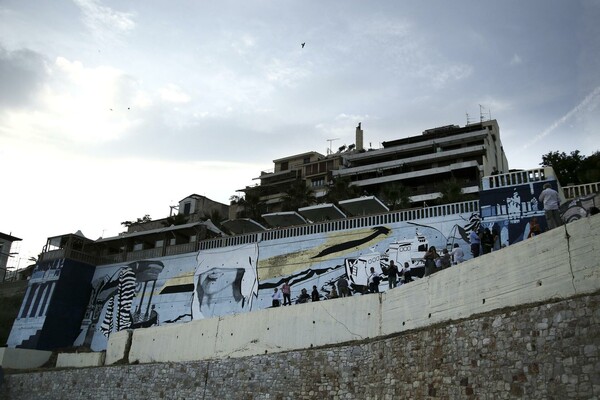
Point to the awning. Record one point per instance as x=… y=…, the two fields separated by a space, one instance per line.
x=365 y=205
x=243 y=225
x=321 y=212
x=283 y=219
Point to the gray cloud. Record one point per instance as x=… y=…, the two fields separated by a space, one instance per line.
x=23 y=73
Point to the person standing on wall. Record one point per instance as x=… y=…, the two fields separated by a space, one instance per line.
x=549 y=197
x=343 y=287
x=286 y=290
x=475 y=242
x=373 y=281
x=392 y=274
x=314 y=295
x=458 y=255
x=276 y=297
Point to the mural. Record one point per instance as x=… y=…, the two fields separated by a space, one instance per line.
x=137 y=295
x=53 y=305
x=510 y=210
x=241 y=278
x=225 y=281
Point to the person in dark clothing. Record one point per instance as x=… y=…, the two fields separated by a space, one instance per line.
x=406 y=273
x=315 y=294
x=392 y=274
x=487 y=241
x=303 y=298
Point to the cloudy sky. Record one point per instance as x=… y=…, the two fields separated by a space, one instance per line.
x=110 y=110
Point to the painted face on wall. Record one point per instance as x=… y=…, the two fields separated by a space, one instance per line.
x=217 y=280
x=225 y=282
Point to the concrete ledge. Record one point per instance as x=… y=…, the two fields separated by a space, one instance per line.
x=23 y=358
x=80 y=360
x=118 y=347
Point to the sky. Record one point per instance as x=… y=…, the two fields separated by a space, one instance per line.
x=111 y=110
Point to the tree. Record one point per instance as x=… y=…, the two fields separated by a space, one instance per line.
x=298 y=195
x=451 y=191
x=566 y=167
x=342 y=190
x=144 y=219
x=396 y=195
x=589 y=171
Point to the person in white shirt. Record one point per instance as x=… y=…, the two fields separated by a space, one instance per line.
x=458 y=255
x=549 y=197
x=276 y=298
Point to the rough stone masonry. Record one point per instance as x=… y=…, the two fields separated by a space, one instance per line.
x=548 y=351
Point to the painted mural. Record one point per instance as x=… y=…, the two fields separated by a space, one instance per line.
x=511 y=211
x=53 y=305
x=235 y=279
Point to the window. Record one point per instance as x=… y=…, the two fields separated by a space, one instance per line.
x=187 y=207
x=284 y=166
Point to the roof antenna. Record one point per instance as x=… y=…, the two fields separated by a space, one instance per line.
x=329 y=149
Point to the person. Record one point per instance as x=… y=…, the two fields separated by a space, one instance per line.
x=458 y=255
x=314 y=294
x=303 y=298
x=276 y=298
x=445 y=260
x=343 y=287
x=495 y=171
x=406 y=273
x=373 y=281
x=534 y=228
x=549 y=197
x=430 y=258
x=496 y=236
x=333 y=294
x=475 y=242
x=487 y=241
x=392 y=274
x=286 y=290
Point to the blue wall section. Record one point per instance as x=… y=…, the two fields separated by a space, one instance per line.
x=53 y=305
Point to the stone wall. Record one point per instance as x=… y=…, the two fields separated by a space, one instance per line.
x=544 y=351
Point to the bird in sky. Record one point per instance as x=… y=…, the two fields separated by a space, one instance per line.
x=302 y=44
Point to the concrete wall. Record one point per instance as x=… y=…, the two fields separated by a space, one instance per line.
x=559 y=264
x=23 y=358
x=547 y=351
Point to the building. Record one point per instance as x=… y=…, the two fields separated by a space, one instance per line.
x=424 y=163
x=6 y=242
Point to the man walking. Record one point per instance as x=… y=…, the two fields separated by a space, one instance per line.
x=549 y=197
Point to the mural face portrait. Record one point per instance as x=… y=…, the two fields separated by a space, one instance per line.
x=220 y=282
x=225 y=283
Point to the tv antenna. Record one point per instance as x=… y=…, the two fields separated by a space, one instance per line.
x=481 y=113
x=329 y=149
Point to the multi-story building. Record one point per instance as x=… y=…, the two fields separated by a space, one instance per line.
x=420 y=163
x=423 y=163
x=311 y=168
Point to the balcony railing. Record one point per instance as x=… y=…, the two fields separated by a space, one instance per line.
x=517 y=178
x=573 y=192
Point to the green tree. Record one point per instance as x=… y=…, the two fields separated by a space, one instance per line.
x=298 y=195
x=451 y=192
x=566 y=167
x=396 y=196
x=144 y=219
x=342 y=190
x=589 y=171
